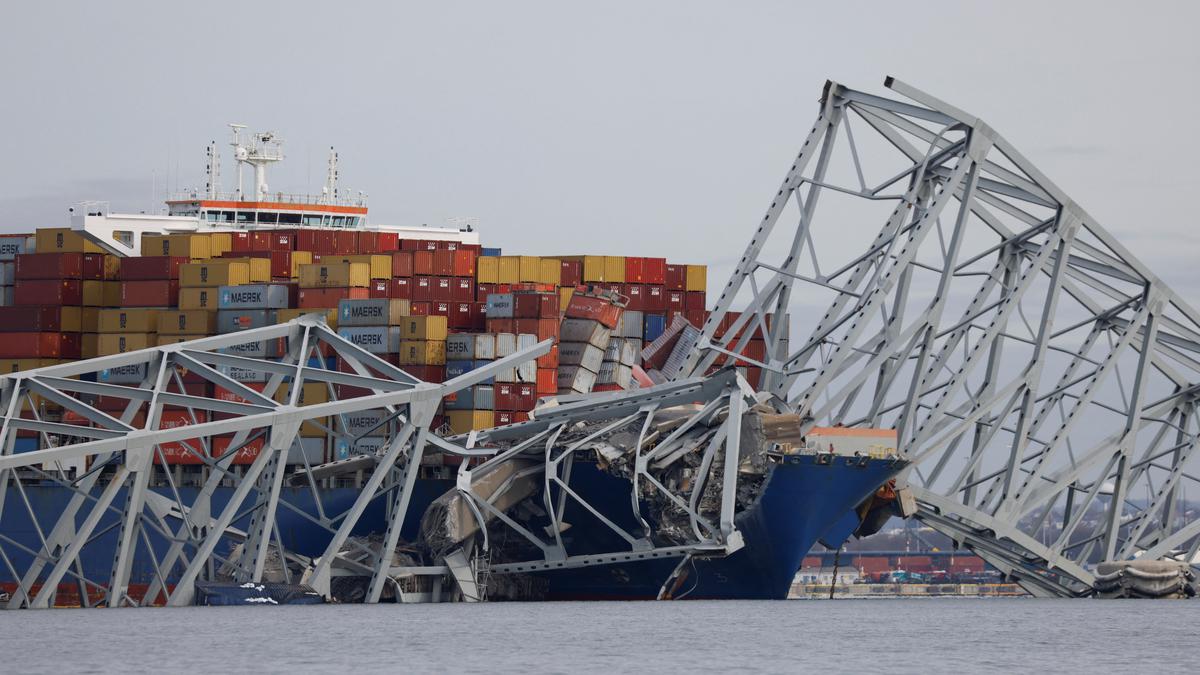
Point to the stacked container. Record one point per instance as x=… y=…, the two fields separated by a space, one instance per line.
x=584 y=338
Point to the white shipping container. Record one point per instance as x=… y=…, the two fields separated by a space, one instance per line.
x=526 y=340
x=485 y=347
x=524 y=373
x=371 y=445
x=584 y=330
x=362 y=422
x=580 y=354
x=575 y=379
x=506 y=345
x=11 y=245
x=630 y=324
x=623 y=351
x=6 y=273
x=471 y=347
x=243 y=374
x=499 y=306
x=615 y=373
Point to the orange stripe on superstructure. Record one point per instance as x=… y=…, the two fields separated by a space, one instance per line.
x=274 y=206
x=851 y=431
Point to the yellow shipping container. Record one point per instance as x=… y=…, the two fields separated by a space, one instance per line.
x=128 y=320
x=424 y=328
x=198 y=298
x=112 y=294
x=220 y=243
x=260 y=268
x=93 y=294
x=188 y=322
x=487 y=270
x=211 y=275
x=550 y=271
x=337 y=275
x=614 y=269
x=465 y=421
x=112 y=268
x=380 y=265
x=119 y=343
x=300 y=258
x=63 y=240
x=285 y=315
x=194 y=246
x=593 y=268
x=697 y=277
x=310 y=394
x=89 y=345
x=508 y=269
x=423 y=352
x=89 y=320
x=20 y=365
x=531 y=269
x=564 y=297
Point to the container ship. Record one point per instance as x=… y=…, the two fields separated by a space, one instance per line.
x=434 y=302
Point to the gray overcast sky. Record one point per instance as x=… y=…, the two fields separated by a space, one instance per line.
x=617 y=127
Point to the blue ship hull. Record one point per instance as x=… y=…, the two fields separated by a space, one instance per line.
x=800 y=501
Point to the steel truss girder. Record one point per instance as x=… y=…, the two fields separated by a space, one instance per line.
x=973 y=337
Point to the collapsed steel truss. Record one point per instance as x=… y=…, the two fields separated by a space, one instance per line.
x=1043 y=380
x=187 y=538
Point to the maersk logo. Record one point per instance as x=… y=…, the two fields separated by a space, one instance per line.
x=204 y=274
x=243 y=297
x=364 y=311
x=10 y=249
x=367 y=339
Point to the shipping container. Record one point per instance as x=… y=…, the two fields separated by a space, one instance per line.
x=49 y=292
x=158 y=294
x=580 y=354
x=12 y=245
x=465 y=421
x=584 y=330
x=487 y=270
x=63 y=240
x=189 y=298
x=40 y=345
x=594 y=308
x=214 y=274
x=573 y=379
x=423 y=352
x=128 y=320
x=258 y=296
x=675 y=277
x=423 y=263
x=235 y=320
x=374 y=339
x=58 y=266
x=119 y=343
x=697 y=278
x=335 y=275
x=194 y=246
x=424 y=328
x=151 y=267
x=49 y=319
x=190 y=323
x=324 y=298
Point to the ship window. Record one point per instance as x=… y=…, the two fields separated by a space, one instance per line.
x=266 y=217
x=339 y=221
x=245 y=217
x=312 y=220
x=290 y=218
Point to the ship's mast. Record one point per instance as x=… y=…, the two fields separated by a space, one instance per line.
x=331 y=177
x=263 y=150
x=213 y=170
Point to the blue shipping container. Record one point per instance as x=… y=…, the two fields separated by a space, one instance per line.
x=490 y=252
x=653 y=326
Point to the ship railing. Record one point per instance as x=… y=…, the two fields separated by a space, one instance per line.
x=274 y=197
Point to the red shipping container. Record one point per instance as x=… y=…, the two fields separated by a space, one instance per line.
x=48 y=292
x=675 y=301
x=547 y=329
x=675 y=277
x=501 y=326
x=694 y=300
x=386 y=242
x=525 y=396
x=426 y=373
x=31 y=319
x=654 y=271
x=345 y=242
x=637 y=296
x=462 y=289
x=443 y=263
x=326 y=241
x=527 y=326
x=572 y=273
x=484 y=290
x=591 y=307
x=410 y=244
x=633 y=270
x=419 y=308
x=150 y=293
x=506 y=417
x=422 y=263
x=39 y=345
x=696 y=317
x=422 y=289
x=504 y=395
x=368 y=242
x=448 y=245
x=324 y=298
x=245 y=455
x=306 y=240
x=460 y=316
x=400 y=289
x=443 y=289
x=547 y=381
x=439 y=309
x=402 y=264
x=260 y=240
x=240 y=242
x=379 y=288
x=57 y=266
x=655 y=300
x=464 y=262
x=550 y=358
x=152 y=267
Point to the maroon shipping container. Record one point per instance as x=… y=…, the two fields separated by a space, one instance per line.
x=675 y=277
x=535 y=305
x=426 y=373
x=410 y=244
x=694 y=300
x=240 y=242
x=696 y=317
x=345 y=242
x=637 y=296
x=48 y=292
x=400 y=289
x=423 y=263
x=152 y=267
x=572 y=273
x=32 y=319
x=443 y=263
x=462 y=289
x=461 y=316
x=306 y=240
x=525 y=396
x=503 y=395
x=320 y=298
x=325 y=241
x=59 y=266
x=419 y=308
x=484 y=290
x=443 y=289
x=379 y=288
x=40 y=345
x=157 y=293
x=368 y=242
x=654 y=271
x=440 y=309
x=402 y=264
x=675 y=300
x=501 y=325
x=655 y=300
x=422 y=289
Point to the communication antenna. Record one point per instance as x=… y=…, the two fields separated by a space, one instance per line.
x=213 y=171
x=239 y=154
